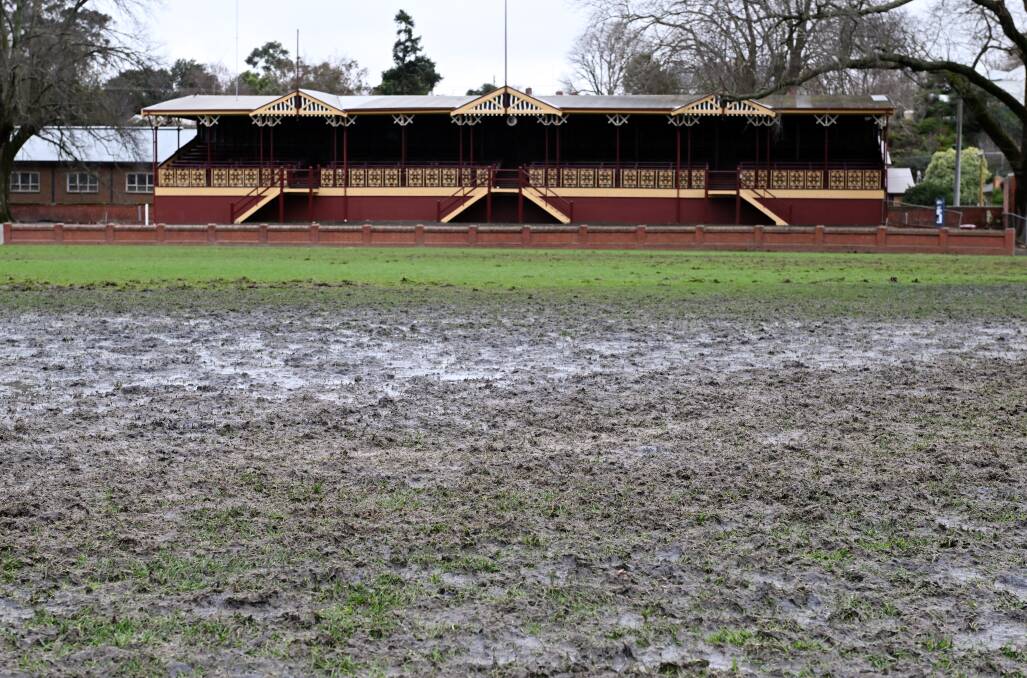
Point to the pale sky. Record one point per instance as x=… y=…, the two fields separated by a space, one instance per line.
x=464 y=37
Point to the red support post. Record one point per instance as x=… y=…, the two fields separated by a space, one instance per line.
x=677 y=174
x=281 y=196
x=345 y=173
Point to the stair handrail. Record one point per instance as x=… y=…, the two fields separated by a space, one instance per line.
x=253 y=197
x=546 y=193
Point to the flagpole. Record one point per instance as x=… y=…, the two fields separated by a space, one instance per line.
x=506 y=43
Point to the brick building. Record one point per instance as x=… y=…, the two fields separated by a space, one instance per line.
x=89 y=175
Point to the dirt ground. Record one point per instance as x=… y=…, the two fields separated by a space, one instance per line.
x=507 y=486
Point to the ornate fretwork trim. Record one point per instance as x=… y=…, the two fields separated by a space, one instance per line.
x=267 y=120
x=683 y=120
x=208 y=120
x=748 y=108
x=403 y=119
x=506 y=101
x=826 y=120
x=618 y=120
x=466 y=120
x=552 y=120
x=706 y=106
x=298 y=103
x=340 y=121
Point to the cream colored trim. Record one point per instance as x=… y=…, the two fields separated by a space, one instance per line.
x=396 y=192
x=747 y=107
x=201 y=192
x=626 y=193
x=534 y=195
x=820 y=194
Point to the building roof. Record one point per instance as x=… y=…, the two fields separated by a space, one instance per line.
x=900 y=180
x=103 y=144
x=368 y=104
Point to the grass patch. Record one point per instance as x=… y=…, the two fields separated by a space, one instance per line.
x=367 y=608
x=709 y=272
x=735 y=637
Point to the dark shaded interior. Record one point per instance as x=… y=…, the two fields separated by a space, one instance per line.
x=722 y=143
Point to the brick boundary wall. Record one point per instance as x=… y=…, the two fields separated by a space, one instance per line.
x=757 y=238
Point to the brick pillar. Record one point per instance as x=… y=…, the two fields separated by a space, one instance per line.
x=700 y=235
x=8 y=233
x=419 y=234
x=757 y=236
x=315 y=233
x=262 y=234
x=526 y=235
x=212 y=233
x=882 y=236
x=108 y=233
x=943 y=239
x=818 y=235
x=640 y=235
x=472 y=235
x=58 y=232
x=161 y=237
x=365 y=234
x=1010 y=239
x=583 y=235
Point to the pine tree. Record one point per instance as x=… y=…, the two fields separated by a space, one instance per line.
x=414 y=73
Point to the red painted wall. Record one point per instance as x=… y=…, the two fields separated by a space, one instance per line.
x=849 y=239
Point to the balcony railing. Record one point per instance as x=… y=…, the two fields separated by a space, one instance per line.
x=332 y=176
x=636 y=177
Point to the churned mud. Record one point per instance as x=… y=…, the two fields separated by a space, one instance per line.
x=509 y=488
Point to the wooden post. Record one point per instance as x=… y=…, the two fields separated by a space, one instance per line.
x=281 y=195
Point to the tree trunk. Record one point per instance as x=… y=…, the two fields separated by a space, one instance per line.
x=6 y=167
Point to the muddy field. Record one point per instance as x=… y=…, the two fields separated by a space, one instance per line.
x=508 y=487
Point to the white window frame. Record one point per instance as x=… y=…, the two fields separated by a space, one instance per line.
x=147 y=187
x=18 y=187
x=92 y=182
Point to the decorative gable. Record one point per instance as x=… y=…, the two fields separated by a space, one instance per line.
x=506 y=101
x=298 y=103
x=747 y=108
x=706 y=106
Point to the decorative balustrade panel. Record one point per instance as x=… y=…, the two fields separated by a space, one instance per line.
x=810 y=179
x=609 y=177
x=326 y=177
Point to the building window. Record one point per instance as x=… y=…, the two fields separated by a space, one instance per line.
x=83 y=182
x=25 y=182
x=139 y=182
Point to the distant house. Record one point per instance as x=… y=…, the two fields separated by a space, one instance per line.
x=89 y=175
x=900 y=180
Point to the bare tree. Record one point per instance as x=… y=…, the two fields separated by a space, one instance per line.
x=600 y=58
x=966 y=36
x=54 y=55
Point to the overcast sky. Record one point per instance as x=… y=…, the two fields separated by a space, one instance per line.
x=464 y=37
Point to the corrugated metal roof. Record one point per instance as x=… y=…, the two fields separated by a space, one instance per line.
x=637 y=102
x=900 y=179
x=200 y=104
x=802 y=101
x=103 y=144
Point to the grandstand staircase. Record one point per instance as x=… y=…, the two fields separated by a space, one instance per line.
x=753 y=196
x=252 y=202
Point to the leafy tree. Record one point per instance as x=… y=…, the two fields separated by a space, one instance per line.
x=274 y=72
x=940 y=178
x=414 y=73
x=483 y=90
x=53 y=55
x=136 y=88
